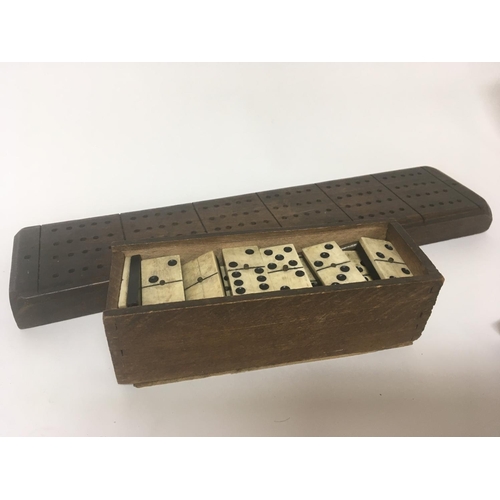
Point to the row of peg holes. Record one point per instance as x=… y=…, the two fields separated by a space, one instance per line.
x=380 y=213
x=56 y=243
x=162 y=226
x=277 y=195
x=156 y=214
x=72 y=270
x=367 y=203
x=308 y=213
x=241 y=224
x=418 y=184
x=228 y=203
x=427 y=194
x=234 y=215
x=298 y=204
x=440 y=203
x=348 y=183
x=350 y=195
x=69 y=228
x=402 y=175
x=71 y=254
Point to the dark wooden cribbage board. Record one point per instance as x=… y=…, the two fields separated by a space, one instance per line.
x=61 y=270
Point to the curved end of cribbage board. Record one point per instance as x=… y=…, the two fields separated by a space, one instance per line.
x=61 y=270
x=476 y=221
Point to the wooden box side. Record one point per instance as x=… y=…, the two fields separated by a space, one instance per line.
x=185 y=343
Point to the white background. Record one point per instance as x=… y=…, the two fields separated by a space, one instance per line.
x=82 y=140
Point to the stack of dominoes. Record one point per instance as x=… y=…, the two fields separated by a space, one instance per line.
x=249 y=270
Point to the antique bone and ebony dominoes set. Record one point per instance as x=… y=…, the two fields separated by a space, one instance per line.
x=249 y=270
x=206 y=305
x=249 y=281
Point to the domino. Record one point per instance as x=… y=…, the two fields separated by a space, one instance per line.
x=225 y=281
x=310 y=276
x=161 y=280
x=385 y=258
x=130 y=288
x=284 y=267
x=134 y=292
x=122 y=300
x=202 y=278
x=246 y=271
x=360 y=265
x=331 y=265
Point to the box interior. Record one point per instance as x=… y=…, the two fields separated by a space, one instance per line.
x=189 y=248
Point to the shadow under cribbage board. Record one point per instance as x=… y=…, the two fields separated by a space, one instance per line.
x=61 y=270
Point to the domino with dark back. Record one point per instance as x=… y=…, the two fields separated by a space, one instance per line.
x=134 y=285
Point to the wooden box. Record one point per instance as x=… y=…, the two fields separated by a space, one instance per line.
x=185 y=340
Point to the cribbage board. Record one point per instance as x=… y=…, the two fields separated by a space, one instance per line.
x=61 y=270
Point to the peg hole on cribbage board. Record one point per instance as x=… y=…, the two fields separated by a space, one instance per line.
x=252 y=269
